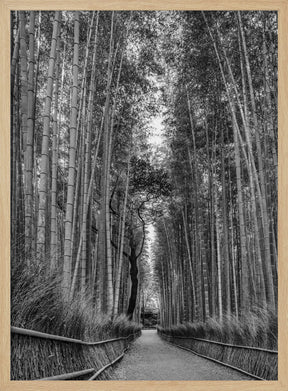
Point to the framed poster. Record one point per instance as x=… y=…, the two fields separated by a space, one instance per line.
x=160 y=123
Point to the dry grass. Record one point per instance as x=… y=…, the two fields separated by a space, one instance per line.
x=36 y=303
x=258 y=328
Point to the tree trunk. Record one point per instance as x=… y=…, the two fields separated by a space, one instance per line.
x=45 y=146
x=121 y=246
x=268 y=269
x=67 y=265
x=225 y=230
x=198 y=272
x=134 y=280
x=53 y=234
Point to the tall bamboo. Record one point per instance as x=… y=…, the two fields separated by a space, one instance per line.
x=45 y=144
x=53 y=233
x=121 y=246
x=67 y=265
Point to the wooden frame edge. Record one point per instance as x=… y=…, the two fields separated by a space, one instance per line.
x=6 y=5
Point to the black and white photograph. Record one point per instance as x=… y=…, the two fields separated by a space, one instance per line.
x=144 y=195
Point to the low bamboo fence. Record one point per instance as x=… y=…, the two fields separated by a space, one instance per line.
x=42 y=356
x=261 y=364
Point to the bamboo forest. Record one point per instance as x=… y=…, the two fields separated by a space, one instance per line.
x=144 y=194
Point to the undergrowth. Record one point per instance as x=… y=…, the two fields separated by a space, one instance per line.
x=36 y=303
x=258 y=327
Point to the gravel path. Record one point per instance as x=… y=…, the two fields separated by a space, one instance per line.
x=150 y=358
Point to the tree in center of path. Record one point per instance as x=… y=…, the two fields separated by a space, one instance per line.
x=148 y=185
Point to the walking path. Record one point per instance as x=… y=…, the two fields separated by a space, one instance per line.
x=150 y=358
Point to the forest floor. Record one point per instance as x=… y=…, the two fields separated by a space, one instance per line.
x=150 y=358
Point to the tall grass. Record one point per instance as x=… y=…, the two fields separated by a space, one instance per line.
x=258 y=327
x=37 y=303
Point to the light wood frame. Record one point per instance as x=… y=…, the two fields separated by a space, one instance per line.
x=6 y=6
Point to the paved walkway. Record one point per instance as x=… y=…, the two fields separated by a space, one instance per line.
x=150 y=358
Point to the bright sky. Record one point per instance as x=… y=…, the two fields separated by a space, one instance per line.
x=156 y=137
x=150 y=241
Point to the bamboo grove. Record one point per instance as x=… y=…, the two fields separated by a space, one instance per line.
x=80 y=177
x=217 y=240
x=85 y=185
